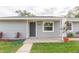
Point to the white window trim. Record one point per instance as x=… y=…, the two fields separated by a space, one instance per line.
x=71 y=27
x=52 y=26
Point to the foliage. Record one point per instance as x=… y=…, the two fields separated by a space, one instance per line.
x=69 y=47
x=77 y=32
x=71 y=35
x=67 y=24
x=24 y=13
x=11 y=46
x=73 y=12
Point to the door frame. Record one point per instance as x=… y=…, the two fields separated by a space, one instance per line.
x=35 y=28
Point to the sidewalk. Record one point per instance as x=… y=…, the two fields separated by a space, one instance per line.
x=26 y=47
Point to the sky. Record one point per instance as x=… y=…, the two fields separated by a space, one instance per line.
x=37 y=7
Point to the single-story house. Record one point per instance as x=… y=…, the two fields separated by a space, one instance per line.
x=36 y=26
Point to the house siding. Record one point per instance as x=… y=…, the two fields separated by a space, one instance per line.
x=9 y=28
x=75 y=27
x=56 y=33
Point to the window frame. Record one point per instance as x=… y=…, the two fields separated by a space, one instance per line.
x=52 y=26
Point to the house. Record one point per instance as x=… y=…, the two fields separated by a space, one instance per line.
x=36 y=26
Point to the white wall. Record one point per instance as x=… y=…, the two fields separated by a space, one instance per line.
x=9 y=28
x=54 y=34
x=75 y=27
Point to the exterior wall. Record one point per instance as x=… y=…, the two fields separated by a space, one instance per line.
x=56 y=33
x=9 y=28
x=75 y=27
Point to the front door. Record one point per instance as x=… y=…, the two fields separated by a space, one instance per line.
x=32 y=28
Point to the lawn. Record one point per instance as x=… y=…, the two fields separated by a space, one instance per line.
x=69 y=47
x=10 y=46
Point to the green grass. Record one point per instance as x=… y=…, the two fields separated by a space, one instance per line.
x=11 y=46
x=70 y=47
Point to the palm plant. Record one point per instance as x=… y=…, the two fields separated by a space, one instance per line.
x=66 y=27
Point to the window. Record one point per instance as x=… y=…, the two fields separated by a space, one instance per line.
x=48 y=26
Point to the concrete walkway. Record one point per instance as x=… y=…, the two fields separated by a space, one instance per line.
x=26 y=47
x=43 y=40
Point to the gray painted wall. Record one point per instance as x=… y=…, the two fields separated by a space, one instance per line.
x=56 y=33
x=9 y=28
x=75 y=26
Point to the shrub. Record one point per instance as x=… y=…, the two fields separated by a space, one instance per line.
x=77 y=32
x=70 y=35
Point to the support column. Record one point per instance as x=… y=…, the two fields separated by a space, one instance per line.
x=27 y=29
x=63 y=25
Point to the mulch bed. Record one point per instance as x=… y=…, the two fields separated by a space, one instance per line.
x=2 y=39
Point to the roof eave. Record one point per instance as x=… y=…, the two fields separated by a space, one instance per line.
x=30 y=18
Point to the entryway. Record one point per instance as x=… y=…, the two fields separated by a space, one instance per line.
x=32 y=29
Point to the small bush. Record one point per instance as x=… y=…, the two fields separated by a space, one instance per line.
x=77 y=32
x=70 y=35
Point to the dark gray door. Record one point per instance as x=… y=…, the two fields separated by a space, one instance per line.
x=32 y=26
